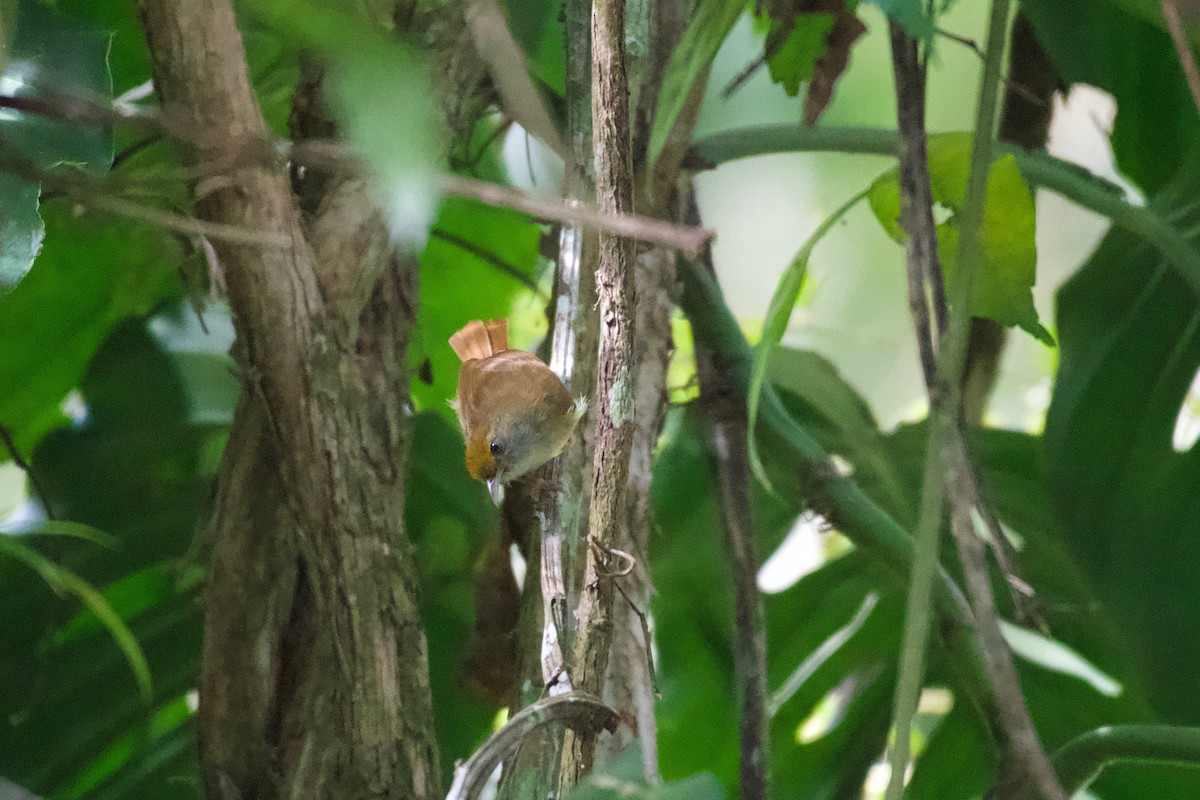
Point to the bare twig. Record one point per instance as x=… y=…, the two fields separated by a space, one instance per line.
x=14 y=453
x=726 y=410
x=916 y=216
x=220 y=231
x=948 y=469
x=576 y=711
x=614 y=223
x=1183 y=48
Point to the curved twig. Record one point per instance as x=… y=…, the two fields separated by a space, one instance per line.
x=576 y=711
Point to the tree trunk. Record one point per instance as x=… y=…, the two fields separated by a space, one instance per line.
x=314 y=677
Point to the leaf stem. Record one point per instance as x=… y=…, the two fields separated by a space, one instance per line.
x=1080 y=761
x=1041 y=170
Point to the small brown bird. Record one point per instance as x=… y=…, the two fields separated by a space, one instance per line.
x=515 y=413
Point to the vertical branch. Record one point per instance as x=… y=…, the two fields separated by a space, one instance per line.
x=948 y=470
x=725 y=408
x=560 y=502
x=916 y=216
x=613 y=402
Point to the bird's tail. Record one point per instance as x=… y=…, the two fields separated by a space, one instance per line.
x=479 y=339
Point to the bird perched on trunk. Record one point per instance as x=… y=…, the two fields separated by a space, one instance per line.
x=515 y=413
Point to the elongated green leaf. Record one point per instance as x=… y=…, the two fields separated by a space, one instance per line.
x=64 y=581
x=1124 y=497
x=1051 y=654
x=711 y=23
x=775 y=324
x=74 y=530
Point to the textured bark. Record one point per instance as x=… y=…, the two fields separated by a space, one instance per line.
x=560 y=490
x=613 y=399
x=315 y=679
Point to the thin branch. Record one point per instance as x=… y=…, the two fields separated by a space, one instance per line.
x=220 y=231
x=576 y=711
x=923 y=269
x=1025 y=759
x=1183 y=48
x=624 y=224
x=39 y=491
x=727 y=417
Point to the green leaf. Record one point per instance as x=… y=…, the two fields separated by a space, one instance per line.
x=1004 y=286
x=64 y=581
x=1055 y=655
x=93 y=273
x=74 y=530
x=689 y=62
x=793 y=61
x=776 y=321
x=21 y=229
x=1098 y=43
x=55 y=55
x=1124 y=497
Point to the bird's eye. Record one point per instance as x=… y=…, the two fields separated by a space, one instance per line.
x=497 y=448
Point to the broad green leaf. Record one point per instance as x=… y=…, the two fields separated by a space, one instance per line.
x=93 y=273
x=1004 y=282
x=776 y=321
x=21 y=229
x=1051 y=654
x=689 y=62
x=55 y=55
x=1099 y=43
x=1124 y=497
x=63 y=581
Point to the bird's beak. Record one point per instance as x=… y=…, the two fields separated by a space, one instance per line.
x=496 y=490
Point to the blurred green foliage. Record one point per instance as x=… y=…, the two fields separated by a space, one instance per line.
x=119 y=394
